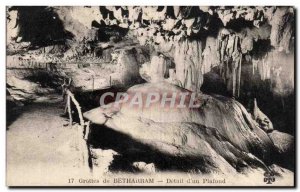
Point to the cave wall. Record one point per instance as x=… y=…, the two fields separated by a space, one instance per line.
x=243 y=52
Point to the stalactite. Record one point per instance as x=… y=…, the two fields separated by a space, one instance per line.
x=255 y=64
x=264 y=69
x=210 y=55
x=230 y=56
x=188 y=61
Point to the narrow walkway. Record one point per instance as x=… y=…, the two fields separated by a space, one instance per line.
x=40 y=149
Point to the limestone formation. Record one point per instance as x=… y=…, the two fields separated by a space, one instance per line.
x=262 y=120
x=225 y=56
x=203 y=137
x=188 y=62
x=172 y=30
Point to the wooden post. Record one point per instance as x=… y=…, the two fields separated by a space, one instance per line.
x=69 y=110
x=93 y=82
x=87 y=131
x=82 y=135
x=70 y=94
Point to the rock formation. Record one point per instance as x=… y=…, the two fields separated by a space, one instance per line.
x=263 y=121
x=239 y=52
x=220 y=133
x=172 y=30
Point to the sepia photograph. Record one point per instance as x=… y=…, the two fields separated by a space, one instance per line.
x=150 y=96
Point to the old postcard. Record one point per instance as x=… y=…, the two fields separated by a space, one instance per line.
x=185 y=96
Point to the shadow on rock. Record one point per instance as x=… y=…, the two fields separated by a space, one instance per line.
x=131 y=151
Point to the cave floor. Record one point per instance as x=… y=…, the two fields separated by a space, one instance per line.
x=39 y=146
x=42 y=151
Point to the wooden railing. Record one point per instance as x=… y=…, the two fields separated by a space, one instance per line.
x=83 y=129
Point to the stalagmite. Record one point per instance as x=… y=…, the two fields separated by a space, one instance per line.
x=155 y=70
x=172 y=79
x=158 y=68
x=262 y=120
x=128 y=70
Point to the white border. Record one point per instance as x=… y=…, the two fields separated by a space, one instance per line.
x=3 y=4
